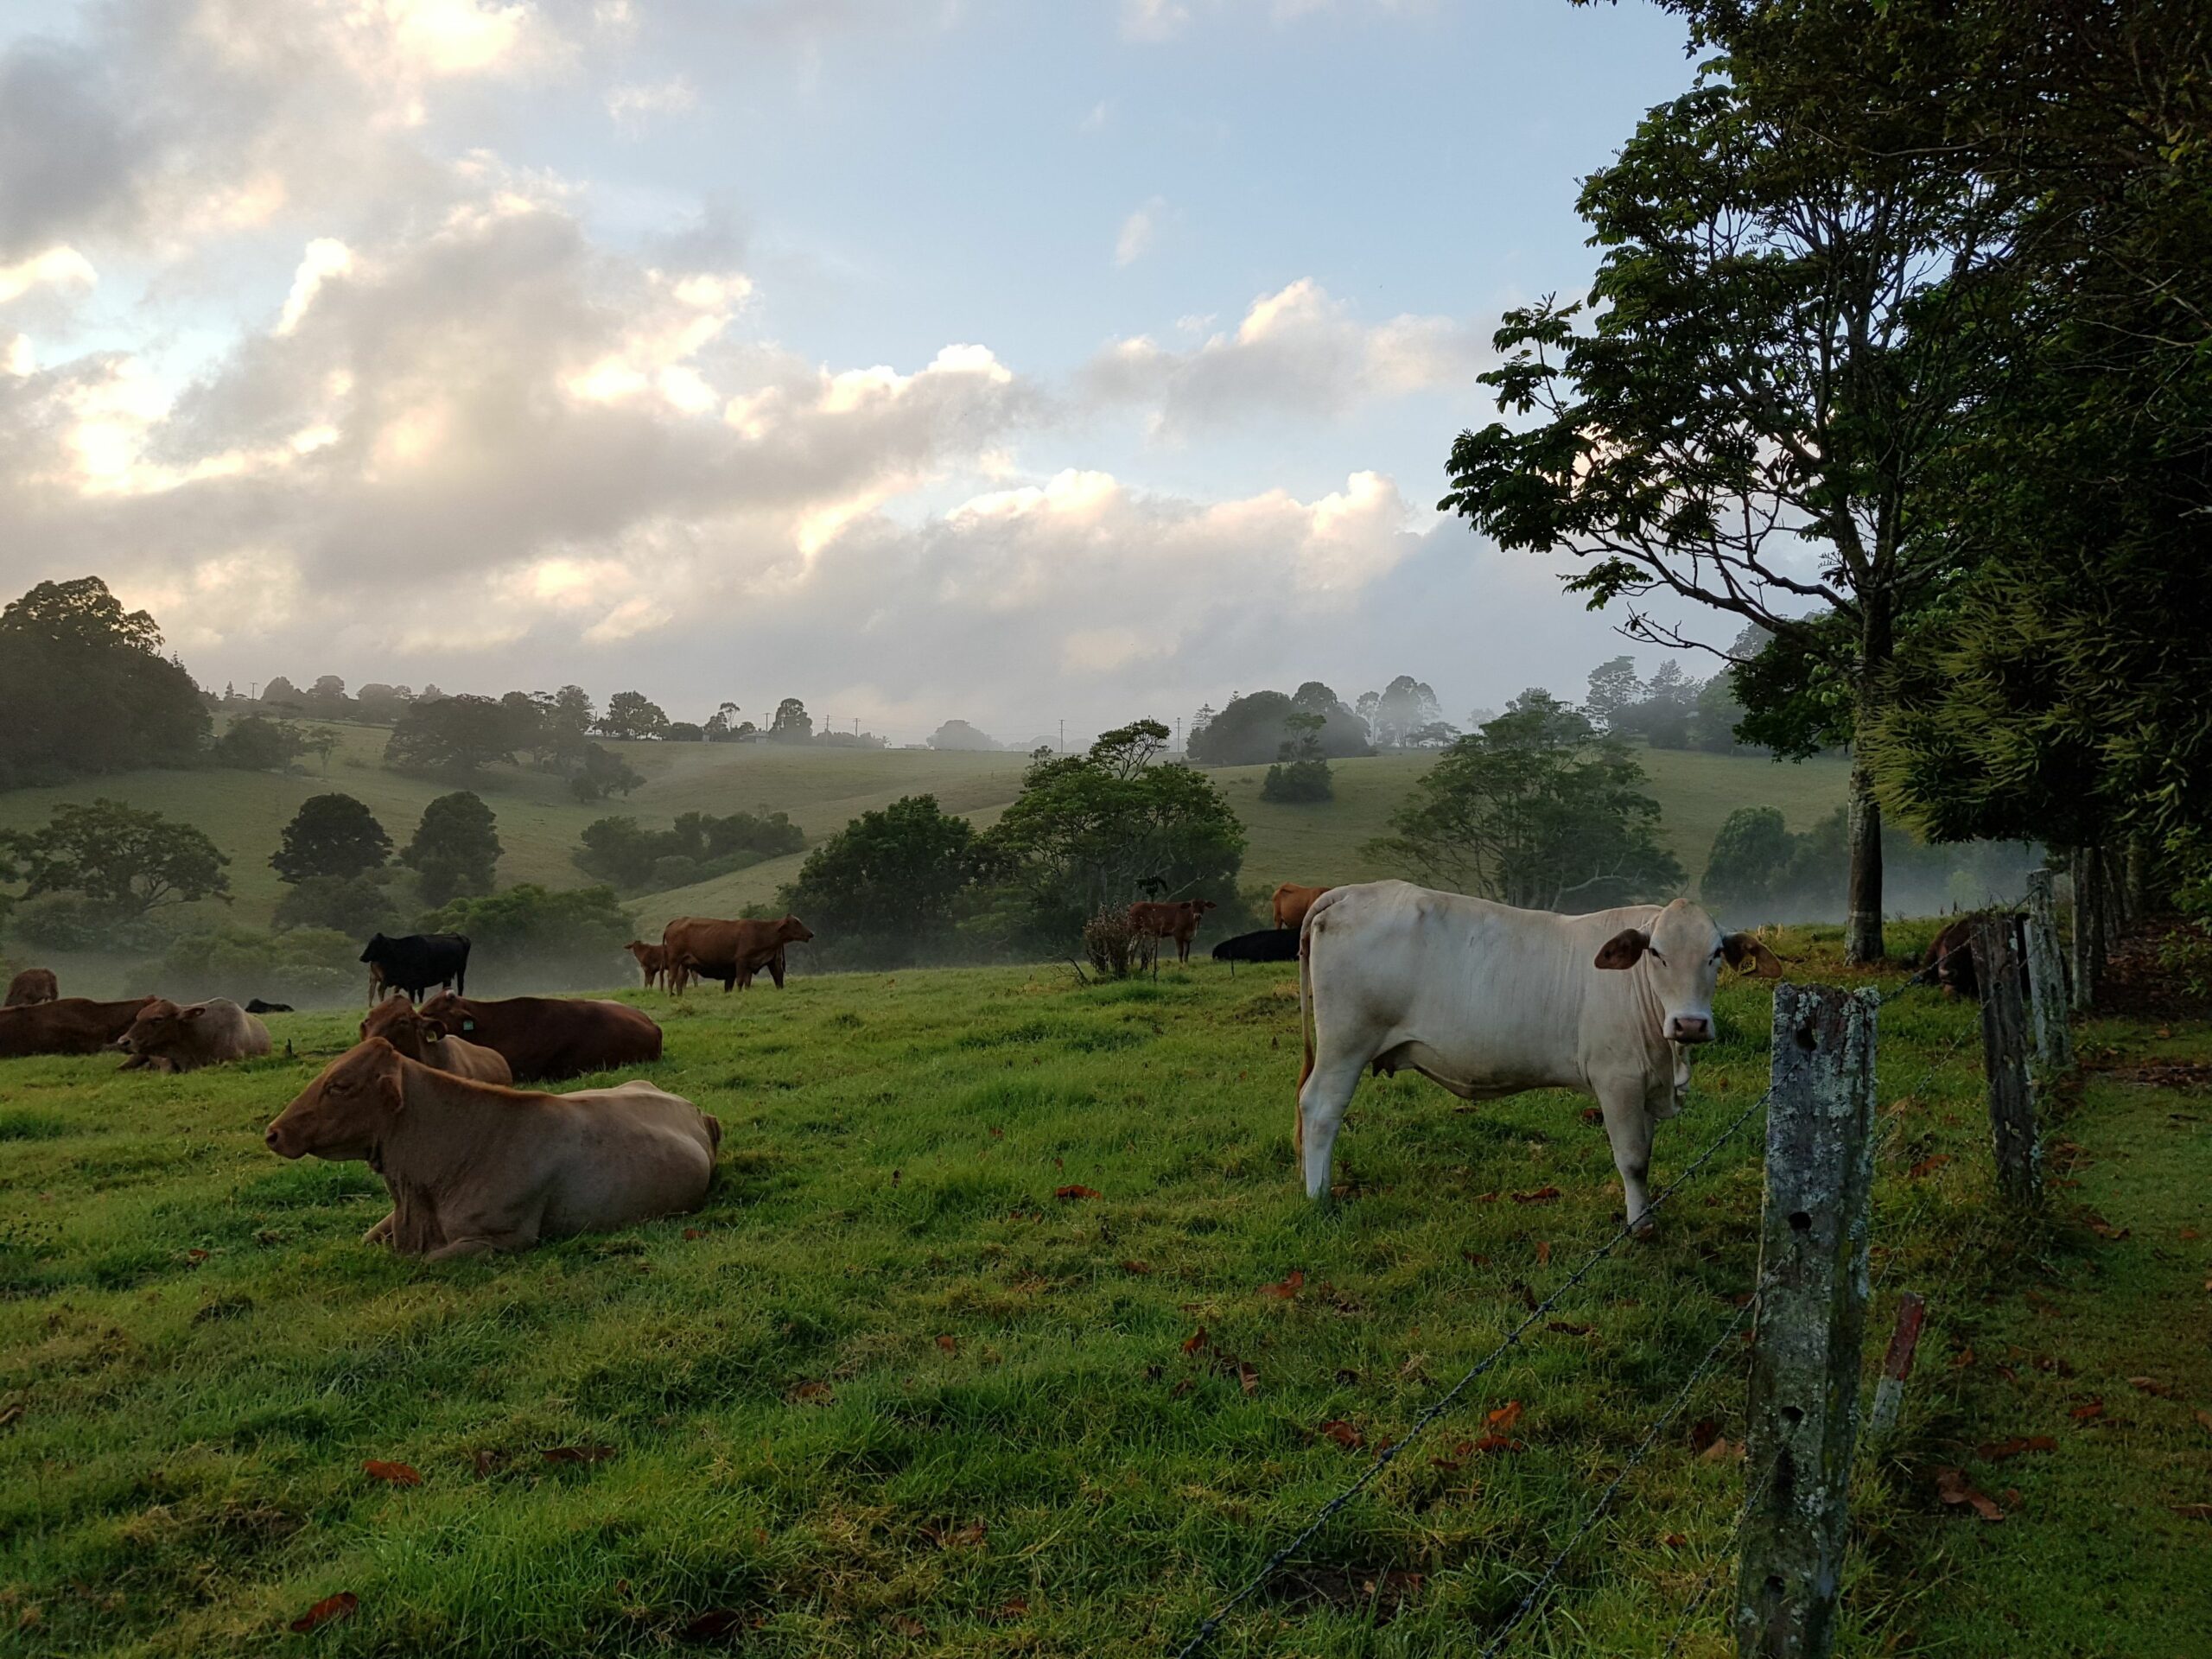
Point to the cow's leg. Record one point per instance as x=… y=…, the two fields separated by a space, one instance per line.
x=1628 y=1129
x=776 y=969
x=1321 y=1105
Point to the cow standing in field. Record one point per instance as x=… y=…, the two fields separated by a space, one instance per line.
x=550 y=1036
x=32 y=986
x=1290 y=903
x=1177 y=921
x=70 y=1025
x=1950 y=961
x=1489 y=1001
x=415 y=962
x=699 y=947
x=427 y=1042
x=474 y=1168
x=166 y=1037
x=652 y=962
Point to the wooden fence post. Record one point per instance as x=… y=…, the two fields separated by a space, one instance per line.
x=2047 y=977
x=1812 y=1320
x=2004 y=1057
x=2088 y=904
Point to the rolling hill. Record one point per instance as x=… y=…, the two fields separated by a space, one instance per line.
x=824 y=788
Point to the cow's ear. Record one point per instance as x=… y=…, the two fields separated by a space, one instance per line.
x=1624 y=948
x=1750 y=956
x=434 y=1028
x=195 y=1013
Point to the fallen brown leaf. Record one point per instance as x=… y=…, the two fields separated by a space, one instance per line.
x=2002 y=1451
x=1952 y=1487
x=2088 y=1412
x=1965 y=1358
x=907 y=1624
x=2205 y=1418
x=1504 y=1417
x=1543 y=1252
x=1497 y=1443
x=1076 y=1192
x=2151 y=1385
x=1929 y=1166
x=1139 y=1268
x=1196 y=1340
x=950 y=1344
x=397 y=1474
x=1345 y=1435
x=814 y=1393
x=484 y=1462
x=1287 y=1288
x=1542 y=1195
x=1674 y=1541
x=1248 y=1379
x=1568 y=1328
x=1474 y=1258
x=2192 y=1511
x=577 y=1454
x=695 y=1232
x=1485 y=1198
x=1722 y=1450
x=1017 y=1608
x=1703 y=1432
x=340 y=1605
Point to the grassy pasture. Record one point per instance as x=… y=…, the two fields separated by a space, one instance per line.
x=888 y=1393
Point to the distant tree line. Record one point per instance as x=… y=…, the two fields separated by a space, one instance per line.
x=697 y=846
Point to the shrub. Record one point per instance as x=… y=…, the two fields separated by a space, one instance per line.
x=357 y=905
x=1293 y=783
x=1116 y=949
x=528 y=937
x=308 y=964
x=70 y=921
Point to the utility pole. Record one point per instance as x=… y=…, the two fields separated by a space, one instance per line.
x=1064 y=734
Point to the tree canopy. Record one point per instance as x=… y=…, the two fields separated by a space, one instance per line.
x=885 y=887
x=1535 y=808
x=330 y=835
x=456 y=849
x=1251 y=730
x=86 y=688
x=124 y=860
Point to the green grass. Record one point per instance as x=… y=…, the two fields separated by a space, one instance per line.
x=204 y=1355
x=824 y=789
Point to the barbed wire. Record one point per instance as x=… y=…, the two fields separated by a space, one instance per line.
x=1673 y=1409
x=1212 y=1624
x=1712 y=1573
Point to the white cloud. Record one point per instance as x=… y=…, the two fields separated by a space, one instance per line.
x=1137 y=231
x=60 y=268
x=1296 y=351
x=1154 y=20
x=634 y=106
x=326 y=256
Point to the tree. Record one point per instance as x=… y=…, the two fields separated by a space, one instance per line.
x=281 y=691
x=959 y=734
x=330 y=835
x=1537 y=809
x=1749 y=864
x=571 y=938
x=1105 y=828
x=791 y=723
x=457 y=736
x=1779 y=347
x=601 y=773
x=87 y=689
x=354 y=904
x=1614 y=690
x=884 y=887
x=380 y=704
x=457 y=849
x=124 y=860
x=2058 y=696
x=252 y=743
x=1302 y=770
x=319 y=741
x=1251 y=729
x=1401 y=708
x=631 y=714
x=685 y=731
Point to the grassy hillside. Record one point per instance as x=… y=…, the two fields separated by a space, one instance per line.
x=888 y=1393
x=824 y=788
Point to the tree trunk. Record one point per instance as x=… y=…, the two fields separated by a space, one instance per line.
x=1862 y=931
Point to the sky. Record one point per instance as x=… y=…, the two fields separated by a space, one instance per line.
x=1019 y=361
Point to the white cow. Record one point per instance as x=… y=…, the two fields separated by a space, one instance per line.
x=1490 y=1000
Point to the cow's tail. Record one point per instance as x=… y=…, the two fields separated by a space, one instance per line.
x=714 y=1132
x=1308 y=1017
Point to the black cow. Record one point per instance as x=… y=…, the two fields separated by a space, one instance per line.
x=1269 y=945
x=416 y=962
x=259 y=1006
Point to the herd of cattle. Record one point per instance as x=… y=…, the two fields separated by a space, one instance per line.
x=1482 y=999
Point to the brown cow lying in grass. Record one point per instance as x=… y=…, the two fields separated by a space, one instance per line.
x=427 y=1042
x=474 y=1169
x=166 y=1037
x=74 y=1024
x=32 y=986
x=550 y=1036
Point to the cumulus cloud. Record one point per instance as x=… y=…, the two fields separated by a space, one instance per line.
x=633 y=107
x=1295 y=349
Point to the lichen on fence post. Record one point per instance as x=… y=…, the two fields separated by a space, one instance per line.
x=2004 y=1057
x=1812 y=1321
x=2047 y=977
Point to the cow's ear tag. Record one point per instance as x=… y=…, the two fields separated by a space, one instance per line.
x=468 y=1024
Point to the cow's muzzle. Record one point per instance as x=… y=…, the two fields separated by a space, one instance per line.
x=1689 y=1028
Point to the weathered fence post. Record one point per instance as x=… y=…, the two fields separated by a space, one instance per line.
x=1897 y=1364
x=2047 y=977
x=1812 y=1320
x=2004 y=1057
x=2088 y=906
